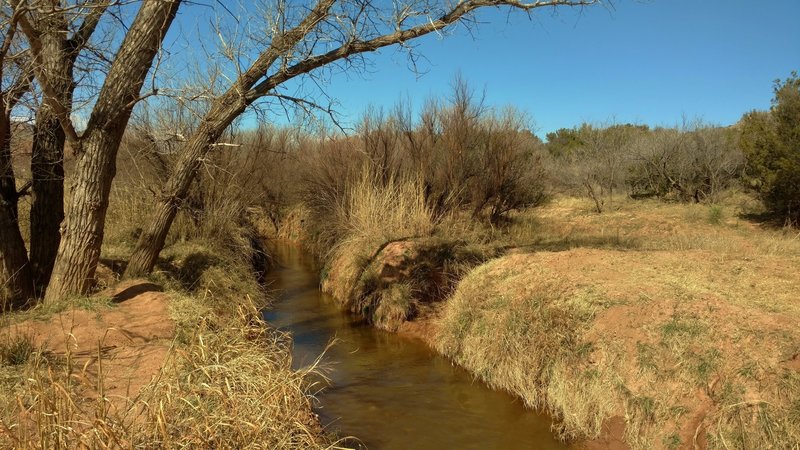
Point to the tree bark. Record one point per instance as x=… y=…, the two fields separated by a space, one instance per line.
x=152 y=239
x=16 y=283
x=83 y=227
x=55 y=61
x=47 y=209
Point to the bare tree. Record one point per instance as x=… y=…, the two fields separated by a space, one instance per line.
x=16 y=282
x=695 y=163
x=55 y=49
x=83 y=227
x=296 y=50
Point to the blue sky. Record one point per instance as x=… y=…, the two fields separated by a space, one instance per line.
x=648 y=62
x=644 y=61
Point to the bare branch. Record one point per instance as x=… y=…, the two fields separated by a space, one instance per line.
x=86 y=29
x=356 y=47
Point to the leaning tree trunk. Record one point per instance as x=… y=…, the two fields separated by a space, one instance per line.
x=16 y=283
x=83 y=227
x=152 y=239
x=223 y=111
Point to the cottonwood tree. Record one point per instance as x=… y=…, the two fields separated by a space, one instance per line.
x=96 y=148
x=54 y=47
x=55 y=37
x=304 y=40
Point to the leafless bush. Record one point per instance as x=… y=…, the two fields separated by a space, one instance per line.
x=465 y=156
x=688 y=165
x=595 y=160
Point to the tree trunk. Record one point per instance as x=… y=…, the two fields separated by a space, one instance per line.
x=47 y=210
x=82 y=236
x=16 y=284
x=55 y=60
x=152 y=239
x=83 y=228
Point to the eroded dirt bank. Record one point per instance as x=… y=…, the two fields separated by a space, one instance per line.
x=639 y=349
x=390 y=392
x=133 y=367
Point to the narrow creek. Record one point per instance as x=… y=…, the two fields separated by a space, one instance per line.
x=392 y=392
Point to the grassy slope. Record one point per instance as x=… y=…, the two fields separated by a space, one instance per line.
x=689 y=335
x=674 y=320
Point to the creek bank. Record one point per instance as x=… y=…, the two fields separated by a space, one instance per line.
x=181 y=360
x=626 y=349
x=391 y=392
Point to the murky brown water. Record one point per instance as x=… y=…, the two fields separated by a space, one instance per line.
x=392 y=392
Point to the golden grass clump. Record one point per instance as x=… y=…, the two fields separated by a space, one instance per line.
x=232 y=387
x=395 y=306
x=386 y=210
x=373 y=213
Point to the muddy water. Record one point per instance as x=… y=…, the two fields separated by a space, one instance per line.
x=389 y=391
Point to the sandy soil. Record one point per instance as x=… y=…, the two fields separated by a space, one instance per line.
x=128 y=342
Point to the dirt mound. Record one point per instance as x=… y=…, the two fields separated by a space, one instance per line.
x=129 y=341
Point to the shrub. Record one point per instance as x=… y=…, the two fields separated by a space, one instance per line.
x=595 y=160
x=464 y=156
x=693 y=164
x=771 y=143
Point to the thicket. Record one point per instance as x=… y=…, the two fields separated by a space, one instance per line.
x=693 y=163
x=771 y=142
x=458 y=157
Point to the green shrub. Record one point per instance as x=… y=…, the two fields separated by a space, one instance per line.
x=771 y=143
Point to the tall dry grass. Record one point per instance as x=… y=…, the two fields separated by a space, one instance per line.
x=228 y=383
x=372 y=213
x=683 y=347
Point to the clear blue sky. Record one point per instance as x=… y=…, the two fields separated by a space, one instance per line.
x=646 y=62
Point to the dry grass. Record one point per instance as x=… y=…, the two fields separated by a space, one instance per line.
x=373 y=214
x=385 y=210
x=674 y=319
x=228 y=382
x=684 y=345
x=723 y=228
x=231 y=386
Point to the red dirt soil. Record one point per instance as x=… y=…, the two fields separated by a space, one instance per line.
x=132 y=338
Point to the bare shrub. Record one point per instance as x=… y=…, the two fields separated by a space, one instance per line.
x=695 y=164
x=595 y=160
x=463 y=156
x=512 y=169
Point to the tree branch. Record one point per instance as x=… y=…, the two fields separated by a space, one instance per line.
x=60 y=111
x=400 y=36
x=81 y=37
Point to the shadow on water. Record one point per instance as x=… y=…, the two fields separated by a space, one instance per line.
x=391 y=392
